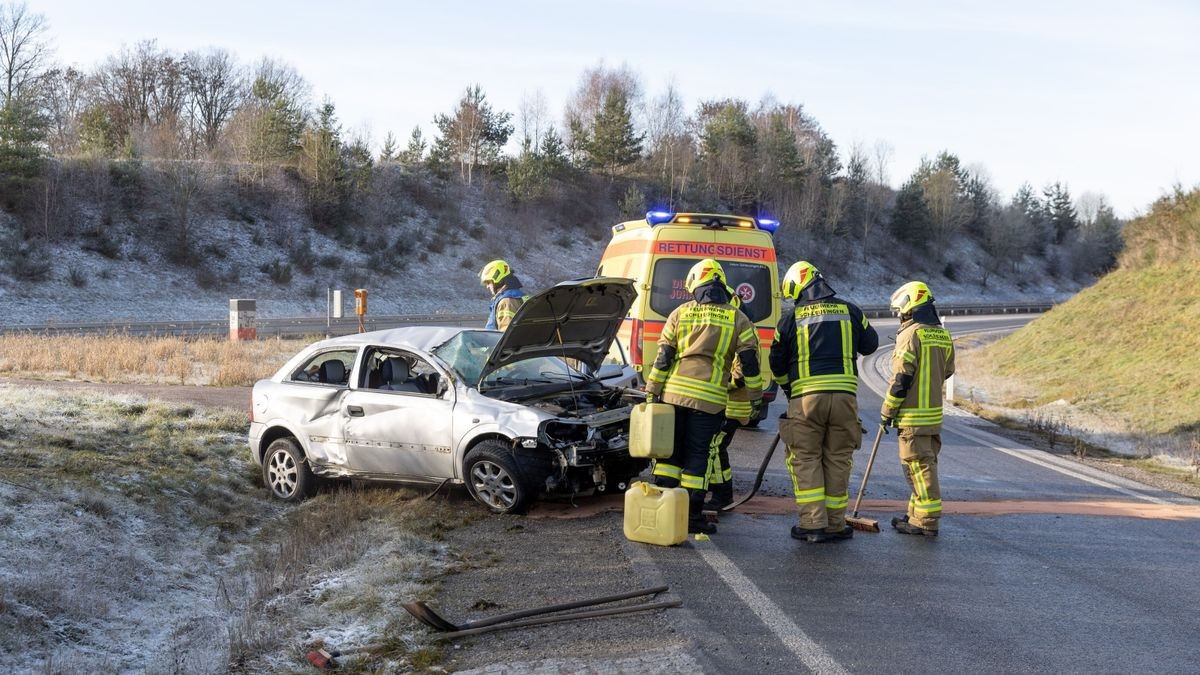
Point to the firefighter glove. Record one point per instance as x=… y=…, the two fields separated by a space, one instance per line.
x=886 y=421
x=755 y=409
x=650 y=397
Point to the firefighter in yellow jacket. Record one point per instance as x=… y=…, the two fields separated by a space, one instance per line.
x=742 y=407
x=695 y=354
x=921 y=362
x=507 y=294
x=815 y=359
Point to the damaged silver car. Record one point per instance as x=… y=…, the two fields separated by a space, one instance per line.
x=514 y=415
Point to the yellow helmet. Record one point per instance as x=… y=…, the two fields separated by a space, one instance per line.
x=911 y=296
x=703 y=272
x=493 y=272
x=799 y=277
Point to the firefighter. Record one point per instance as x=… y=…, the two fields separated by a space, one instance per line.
x=507 y=294
x=743 y=406
x=814 y=359
x=695 y=352
x=921 y=362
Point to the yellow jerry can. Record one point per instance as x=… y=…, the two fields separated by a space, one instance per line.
x=655 y=515
x=652 y=430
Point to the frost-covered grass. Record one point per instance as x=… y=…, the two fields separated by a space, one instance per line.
x=135 y=536
x=160 y=360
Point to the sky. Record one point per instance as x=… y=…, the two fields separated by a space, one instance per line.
x=1104 y=96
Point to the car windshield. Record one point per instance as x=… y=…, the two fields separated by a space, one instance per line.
x=468 y=351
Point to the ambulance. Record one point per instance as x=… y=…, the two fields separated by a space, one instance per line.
x=657 y=253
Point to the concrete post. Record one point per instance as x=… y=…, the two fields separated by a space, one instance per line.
x=242 y=315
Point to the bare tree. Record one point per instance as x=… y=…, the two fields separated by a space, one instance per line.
x=533 y=117
x=882 y=156
x=1088 y=206
x=216 y=87
x=64 y=96
x=670 y=146
x=588 y=98
x=24 y=50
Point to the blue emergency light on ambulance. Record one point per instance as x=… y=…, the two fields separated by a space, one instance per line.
x=659 y=217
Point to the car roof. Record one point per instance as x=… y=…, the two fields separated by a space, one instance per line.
x=421 y=338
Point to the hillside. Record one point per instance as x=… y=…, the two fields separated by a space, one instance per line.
x=1121 y=355
x=116 y=248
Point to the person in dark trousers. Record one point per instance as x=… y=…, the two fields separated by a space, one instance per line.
x=814 y=358
x=921 y=362
x=691 y=372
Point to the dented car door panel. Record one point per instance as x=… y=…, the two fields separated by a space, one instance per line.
x=398 y=434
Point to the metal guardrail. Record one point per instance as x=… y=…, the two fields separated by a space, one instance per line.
x=312 y=326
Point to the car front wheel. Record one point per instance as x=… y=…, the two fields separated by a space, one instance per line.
x=494 y=480
x=286 y=471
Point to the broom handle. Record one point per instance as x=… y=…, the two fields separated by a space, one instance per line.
x=867 y=474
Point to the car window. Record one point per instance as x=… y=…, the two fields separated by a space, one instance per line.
x=467 y=352
x=332 y=367
x=749 y=280
x=395 y=370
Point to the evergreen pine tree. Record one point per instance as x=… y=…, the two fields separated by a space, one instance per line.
x=389 y=151
x=613 y=143
x=911 y=220
x=414 y=154
x=554 y=153
x=1060 y=210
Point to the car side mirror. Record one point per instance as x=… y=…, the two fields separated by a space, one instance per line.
x=442 y=387
x=609 y=371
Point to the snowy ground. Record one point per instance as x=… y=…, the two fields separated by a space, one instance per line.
x=134 y=538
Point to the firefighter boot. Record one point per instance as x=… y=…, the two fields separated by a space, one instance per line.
x=816 y=536
x=697 y=524
x=722 y=496
x=904 y=527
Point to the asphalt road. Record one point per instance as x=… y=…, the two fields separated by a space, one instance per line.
x=1036 y=592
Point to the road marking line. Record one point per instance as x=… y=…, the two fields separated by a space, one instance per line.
x=811 y=654
x=983 y=439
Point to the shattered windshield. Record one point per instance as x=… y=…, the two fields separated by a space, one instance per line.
x=468 y=351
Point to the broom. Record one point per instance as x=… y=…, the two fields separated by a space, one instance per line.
x=866 y=524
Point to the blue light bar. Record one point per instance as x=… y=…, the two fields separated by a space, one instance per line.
x=768 y=225
x=659 y=217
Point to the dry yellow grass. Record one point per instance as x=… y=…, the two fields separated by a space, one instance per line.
x=159 y=360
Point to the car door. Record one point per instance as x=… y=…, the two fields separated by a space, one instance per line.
x=401 y=428
x=313 y=398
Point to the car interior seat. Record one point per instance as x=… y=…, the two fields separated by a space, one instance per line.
x=395 y=376
x=332 y=371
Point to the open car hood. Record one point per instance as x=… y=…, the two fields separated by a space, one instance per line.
x=575 y=319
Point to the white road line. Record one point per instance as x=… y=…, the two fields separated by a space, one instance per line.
x=796 y=640
x=1051 y=462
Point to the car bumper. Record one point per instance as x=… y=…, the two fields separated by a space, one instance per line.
x=256 y=434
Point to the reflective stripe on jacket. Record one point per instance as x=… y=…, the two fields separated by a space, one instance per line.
x=703 y=339
x=504 y=307
x=817 y=347
x=921 y=362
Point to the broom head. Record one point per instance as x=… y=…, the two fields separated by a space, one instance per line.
x=863 y=524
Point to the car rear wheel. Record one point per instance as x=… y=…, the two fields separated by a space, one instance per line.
x=286 y=471
x=494 y=480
